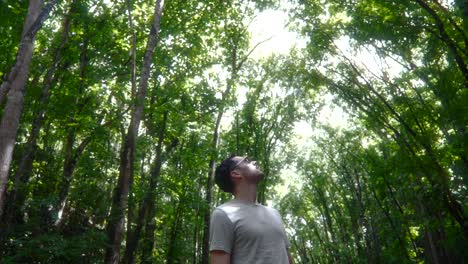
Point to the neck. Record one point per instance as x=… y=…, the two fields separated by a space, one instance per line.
x=247 y=193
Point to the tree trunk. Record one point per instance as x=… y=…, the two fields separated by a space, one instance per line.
x=14 y=86
x=195 y=240
x=71 y=156
x=144 y=212
x=131 y=204
x=212 y=163
x=444 y=37
x=441 y=180
x=236 y=65
x=147 y=243
x=116 y=221
x=150 y=223
x=198 y=214
x=17 y=196
x=395 y=230
x=463 y=7
x=16 y=78
x=68 y=171
x=171 y=254
x=207 y=216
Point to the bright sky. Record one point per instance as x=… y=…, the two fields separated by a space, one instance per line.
x=271 y=25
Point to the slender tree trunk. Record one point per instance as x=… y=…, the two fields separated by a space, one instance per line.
x=131 y=206
x=322 y=244
x=17 y=196
x=133 y=50
x=132 y=241
x=71 y=156
x=463 y=7
x=400 y=209
x=441 y=180
x=195 y=240
x=198 y=214
x=207 y=215
x=171 y=254
x=392 y=224
x=212 y=163
x=14 y=87
x=16 y=78
x=148 y=243
x=148 y=202
x=444 y=37
x=119 y=202
x=432 y=252
x=69 y=166
x=434 y=244
x=131 y=233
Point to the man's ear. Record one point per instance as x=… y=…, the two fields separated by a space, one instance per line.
x=235 y=175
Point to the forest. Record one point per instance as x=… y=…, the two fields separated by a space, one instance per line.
x=114 y=114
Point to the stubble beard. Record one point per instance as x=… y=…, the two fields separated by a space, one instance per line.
x=257 y=175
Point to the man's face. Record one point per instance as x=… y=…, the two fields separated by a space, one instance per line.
x=249 y=169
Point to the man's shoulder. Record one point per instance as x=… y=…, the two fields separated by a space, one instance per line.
x=272 y=210
x=232 y=209
x=227 y=207
x=222 y=206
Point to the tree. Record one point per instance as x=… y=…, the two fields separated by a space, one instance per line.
x=17 y=195
x=14 y=86
x=111 y=149
x=115 y=225
x=405 y=110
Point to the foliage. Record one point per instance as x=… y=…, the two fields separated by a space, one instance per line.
x=389 y=187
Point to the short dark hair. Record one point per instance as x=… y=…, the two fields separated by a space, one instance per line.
x=223 y=174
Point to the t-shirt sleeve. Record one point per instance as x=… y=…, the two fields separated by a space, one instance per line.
x=221 y=231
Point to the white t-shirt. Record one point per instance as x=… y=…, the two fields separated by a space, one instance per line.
x=251 y=233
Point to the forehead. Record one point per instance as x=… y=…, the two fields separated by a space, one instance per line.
x=233 y=161
x=236 y=159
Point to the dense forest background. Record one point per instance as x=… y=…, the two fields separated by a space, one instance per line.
x=115 y=112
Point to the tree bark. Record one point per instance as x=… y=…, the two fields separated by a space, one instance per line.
x=148 y=202
x=131 y=204
x=19 y=72
x=116 y=221
x=14 y=87
x=17 y=195
x=214 y=147
x=451 y=44
x=68 y=171
x=211 y=172
x=236 y=65
x=148 y=241
x=441 y=180
x=72 y=156
x=171 y=254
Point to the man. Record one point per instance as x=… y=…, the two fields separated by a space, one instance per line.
x=243 y=231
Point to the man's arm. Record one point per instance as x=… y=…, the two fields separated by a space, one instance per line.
x=221 y=237
x=220 y=257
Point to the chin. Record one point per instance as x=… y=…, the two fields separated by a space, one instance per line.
x=257 y=176
x=261 y=176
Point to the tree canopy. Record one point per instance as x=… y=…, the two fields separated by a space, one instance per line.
x=114 y=115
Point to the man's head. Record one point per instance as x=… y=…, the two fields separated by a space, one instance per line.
x=237 y=169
